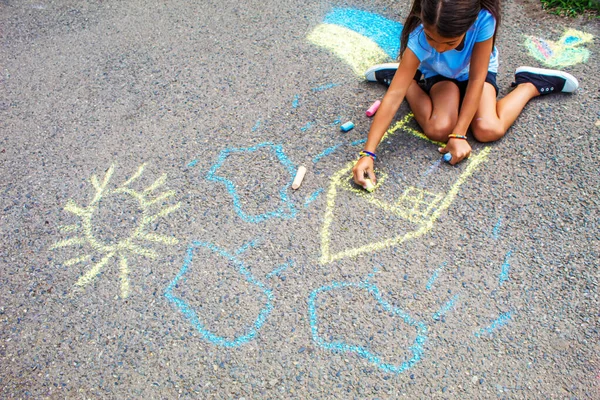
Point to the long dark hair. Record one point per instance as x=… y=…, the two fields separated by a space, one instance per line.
x=451 y=18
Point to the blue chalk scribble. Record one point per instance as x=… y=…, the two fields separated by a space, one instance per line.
x=496 y=230
x=333 y=148
x=286 y=210
x=192 y=163
x=337 y=121
x=246 y=246
x=296 y=101
x=505 y=269
x=445 y=308
x=190 y=313
x=435 y=275
x=313 y=197
x=502 y=320
x=279 y=269
x=326 y=152
x=383 y=31
x=340 y=346
x=324 y=87
x=256 y=126
x=307 y=126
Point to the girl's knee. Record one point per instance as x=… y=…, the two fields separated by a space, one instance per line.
x=439 y=129
x=485 y=130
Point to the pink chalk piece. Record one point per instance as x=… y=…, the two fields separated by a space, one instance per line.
x=373 y=109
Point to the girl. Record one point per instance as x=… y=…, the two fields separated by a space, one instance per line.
x=450 y=43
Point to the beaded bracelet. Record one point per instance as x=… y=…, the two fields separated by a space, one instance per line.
x=455 y=136
x=365 y=153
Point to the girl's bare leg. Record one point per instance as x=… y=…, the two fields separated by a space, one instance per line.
x=493 y=118
x=436 y=112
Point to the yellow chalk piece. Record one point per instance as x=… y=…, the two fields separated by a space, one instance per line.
x=299 y=177
x=356 y=50
x=369 y=187
x=415 y=205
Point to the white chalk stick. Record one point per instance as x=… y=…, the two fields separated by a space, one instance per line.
x=299 y=177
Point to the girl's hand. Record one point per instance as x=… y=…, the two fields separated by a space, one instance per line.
x=363 y=166
x=459 y=148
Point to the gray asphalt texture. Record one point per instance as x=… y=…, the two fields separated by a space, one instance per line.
x=499 y=299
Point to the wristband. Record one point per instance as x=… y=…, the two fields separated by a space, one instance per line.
x=365 y=153
x=455 y=136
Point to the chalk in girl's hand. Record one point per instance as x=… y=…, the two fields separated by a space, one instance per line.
x=447 y=157
x=373 y=109
x=299 y=177
x=369 y=187
x=347 y=126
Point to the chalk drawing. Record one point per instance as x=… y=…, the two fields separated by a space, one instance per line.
x=286 y=211
x=435 y=275
x=360 y=38
x=326 y=152
x=306 y=127
x=502 y=320
x=192 y=163
x=567 y=51
x=152 y=208
x=415 y=205
x=277 y=271
x=191 y=315
x=256 y=126
x=496 y=230
x=325 y=87
x=445 y=308
x=335 y=147
x=296 y=101
x=246 y=246
x=313 y=197
x=505 y=269
x=340 y=346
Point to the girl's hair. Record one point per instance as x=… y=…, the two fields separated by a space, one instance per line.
x=450 y=18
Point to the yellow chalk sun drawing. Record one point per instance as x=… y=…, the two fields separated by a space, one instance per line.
x=131 y=244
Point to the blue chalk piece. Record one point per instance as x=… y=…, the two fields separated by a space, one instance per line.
x=447 y=157
x=347 y=126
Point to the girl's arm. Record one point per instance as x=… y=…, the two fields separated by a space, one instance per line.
x=386 y=112
x=480 y=59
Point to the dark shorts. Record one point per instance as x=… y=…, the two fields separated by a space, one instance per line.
x=428 y=83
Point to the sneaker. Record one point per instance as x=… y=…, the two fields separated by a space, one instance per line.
x=546 y=81
x=382 y=73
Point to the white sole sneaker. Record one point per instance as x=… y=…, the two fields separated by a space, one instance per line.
x=370 y=74
x=571 y=83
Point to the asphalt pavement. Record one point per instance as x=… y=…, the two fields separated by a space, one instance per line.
x=151 y=245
